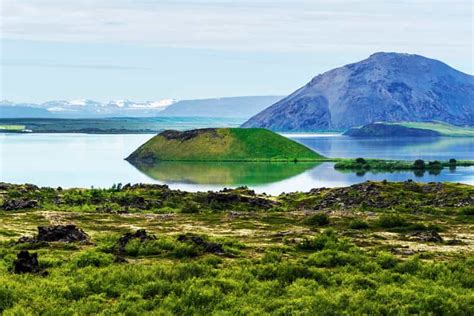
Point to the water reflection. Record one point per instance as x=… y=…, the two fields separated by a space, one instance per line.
x=223 y=173
x=277 y=178
x=404 y=148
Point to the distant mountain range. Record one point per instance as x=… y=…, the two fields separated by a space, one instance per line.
x=386 y=87
x=83 y=108
x=243 y=107
x=238 y=107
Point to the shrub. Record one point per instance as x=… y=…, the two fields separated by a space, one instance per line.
x=358 y=224
x=435 y=165
x=6 y=298
x=452 y=161
x=361 y=161
x=467 y=210
x=319 y=219
x=332 y=258
x=391 y=221
x=386 y=260
x=419 y=164
x=93 y=258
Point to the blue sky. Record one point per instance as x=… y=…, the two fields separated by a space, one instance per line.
x=151 y=50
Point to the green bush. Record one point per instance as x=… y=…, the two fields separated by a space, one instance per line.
x=93 y=258
x=358 y=224
x=419 y=164
x=319 y=219
x=391 y=221
x=6 y=297
x=330 y=258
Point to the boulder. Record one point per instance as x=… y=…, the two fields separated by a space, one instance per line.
x=27 y=263
x=62 y=233
x=18 y=204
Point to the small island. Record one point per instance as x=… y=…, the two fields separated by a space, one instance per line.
x=222 y=144
x=410 y=129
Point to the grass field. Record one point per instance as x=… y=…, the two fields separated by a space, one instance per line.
x=328 y=252
x=12 y=128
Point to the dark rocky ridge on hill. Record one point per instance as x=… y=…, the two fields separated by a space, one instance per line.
x=386 y=87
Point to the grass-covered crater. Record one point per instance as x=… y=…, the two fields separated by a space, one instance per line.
x=222 y=144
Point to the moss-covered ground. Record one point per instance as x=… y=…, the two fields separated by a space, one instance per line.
x=354 y=250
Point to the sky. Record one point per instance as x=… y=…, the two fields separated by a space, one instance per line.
x=159 y=49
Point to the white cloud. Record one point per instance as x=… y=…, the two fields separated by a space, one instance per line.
x=261 y=25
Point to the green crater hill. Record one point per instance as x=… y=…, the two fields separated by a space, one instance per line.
x=222 y=144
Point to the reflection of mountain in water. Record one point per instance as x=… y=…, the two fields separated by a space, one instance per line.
x=223 y=173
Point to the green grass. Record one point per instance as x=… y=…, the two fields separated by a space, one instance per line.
x=287 y=260
x=443 y=128
x=12 y=128
x=225 y=144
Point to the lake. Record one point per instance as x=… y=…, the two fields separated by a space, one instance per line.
x=85 y=160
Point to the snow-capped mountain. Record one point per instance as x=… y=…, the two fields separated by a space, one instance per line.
x=85 y=108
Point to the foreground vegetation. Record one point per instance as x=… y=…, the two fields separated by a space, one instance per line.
x=372 y=248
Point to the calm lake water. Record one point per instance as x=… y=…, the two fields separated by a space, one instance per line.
x=85 y=160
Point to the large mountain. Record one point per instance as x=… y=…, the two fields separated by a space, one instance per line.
x=388 y=87
x=244 y=107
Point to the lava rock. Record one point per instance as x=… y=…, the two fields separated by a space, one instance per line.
x=27 y=263
x=62 y=233
x=209 y=247
x=17 y=204
x=140 y=234
x=425 y=236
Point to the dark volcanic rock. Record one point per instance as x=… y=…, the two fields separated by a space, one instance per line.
x=27 y=263
x=229 y=198
x=187 y=135
x=140 y=234
x=425 y=236
x=209 y=247
x=61 y=233
x=389 y=130
x=18 y=204
x=386 y=87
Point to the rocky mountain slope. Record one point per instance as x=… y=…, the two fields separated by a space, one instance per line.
x=388 y=87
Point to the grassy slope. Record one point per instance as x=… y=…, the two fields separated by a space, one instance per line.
x=232 y=144
x=13 y=128
x=282 y=261
x=442 y=128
